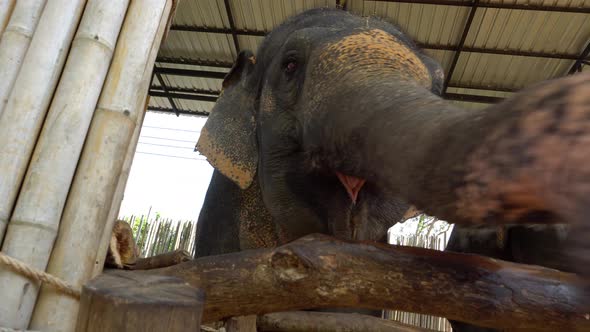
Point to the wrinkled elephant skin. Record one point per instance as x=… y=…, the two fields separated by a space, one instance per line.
x=336 y=126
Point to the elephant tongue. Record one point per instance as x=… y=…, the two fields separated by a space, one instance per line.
x=352 y=184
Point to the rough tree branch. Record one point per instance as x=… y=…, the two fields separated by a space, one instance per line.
x=318 y=271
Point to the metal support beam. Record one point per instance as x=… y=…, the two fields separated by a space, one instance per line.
x=186 y=90
x=163 y=85
x=218 y=75
x=185 y=96
x=194 y=28
x=427 y=46
x=180 y=111
x=198 y=62
x=562 y=56
x=497 y=5
x=481 y=87
x=474 y=4
x=213 y=98
x=232 y=26
x=577 y=67
x=189 y=72
x=472 y=98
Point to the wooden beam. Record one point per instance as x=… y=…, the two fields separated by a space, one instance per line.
x=325 y=273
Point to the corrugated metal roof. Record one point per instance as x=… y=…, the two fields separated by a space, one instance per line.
x=504 y=49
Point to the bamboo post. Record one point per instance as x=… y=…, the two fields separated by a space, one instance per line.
x=33 y=226
x=90 y=197
x=15 y=42
x=31 y=94
x=6 y=7
x=118 y=196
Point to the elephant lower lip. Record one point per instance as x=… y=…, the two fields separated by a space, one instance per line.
x=352 y=185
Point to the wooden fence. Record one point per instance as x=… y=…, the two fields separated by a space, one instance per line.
x=155 y=235
x=158 y=235
x=438 y=242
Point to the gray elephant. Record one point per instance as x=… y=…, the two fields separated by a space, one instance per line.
x=337 y=125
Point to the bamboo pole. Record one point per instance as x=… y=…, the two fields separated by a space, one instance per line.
x=118 y=196
x=6 y=7
x=33 y=226
x=31 y=94
x=15 y=42
x=90 y=197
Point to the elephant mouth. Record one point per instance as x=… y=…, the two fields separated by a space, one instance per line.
x=353 y=185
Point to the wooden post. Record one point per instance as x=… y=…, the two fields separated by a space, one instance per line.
x=113 y=302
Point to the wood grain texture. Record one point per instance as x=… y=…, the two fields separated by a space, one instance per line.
x=318 y=271
x=123 y=302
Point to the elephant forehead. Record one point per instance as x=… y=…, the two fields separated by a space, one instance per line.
x=374 y=48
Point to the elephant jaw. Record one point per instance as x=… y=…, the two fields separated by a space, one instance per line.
x=352 y=185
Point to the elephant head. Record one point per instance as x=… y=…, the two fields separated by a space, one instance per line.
x=267 y=125
x=337 y=123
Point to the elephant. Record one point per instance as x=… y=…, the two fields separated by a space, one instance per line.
x=337 y=126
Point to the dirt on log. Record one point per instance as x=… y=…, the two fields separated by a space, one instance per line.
x=319 y=271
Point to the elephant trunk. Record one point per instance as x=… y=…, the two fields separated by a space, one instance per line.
x=499 y=165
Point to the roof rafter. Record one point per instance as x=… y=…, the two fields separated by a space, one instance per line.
x=577 y=66
x=562 y=9
x=232 y=26
x=450 y=96
x=427 y=46
x=466 y=30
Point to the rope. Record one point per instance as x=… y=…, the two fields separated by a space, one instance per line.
x=39 y=275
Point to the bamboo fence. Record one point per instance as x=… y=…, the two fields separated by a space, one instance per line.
x=31 y=94
x=155 y=235
x=6 y=7
x=431 y=241
x=15 y=43
x=69 y=127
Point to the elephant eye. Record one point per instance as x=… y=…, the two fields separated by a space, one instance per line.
x=291 y=67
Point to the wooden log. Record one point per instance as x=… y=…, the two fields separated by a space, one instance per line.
x=303 y=321
x=6 y=7
x=92 y=190
x=15 y=42
x=30 y=96
x=327 y=273
x=162 y=260
x=112 y=302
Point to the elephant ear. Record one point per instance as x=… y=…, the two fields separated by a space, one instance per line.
x=228 y=139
